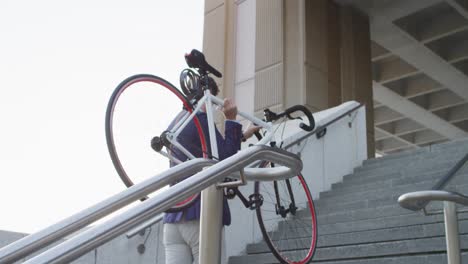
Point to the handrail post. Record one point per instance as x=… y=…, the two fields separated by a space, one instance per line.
x=451 y=233
x=211 y=225
x=211 y=205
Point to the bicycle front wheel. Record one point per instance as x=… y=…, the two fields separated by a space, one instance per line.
x=148 y=108
x=287 y=219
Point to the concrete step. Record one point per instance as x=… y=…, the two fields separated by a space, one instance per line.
x=361 y=237
x=383 y=192
x=436 y=258
x=415 y=158
x=431 y=245
x=370 y=194
x=381 y=222
x=410 y=169
x=453 y=158
x=392 y=157
x=343 y=216
x=344 y=187
x=390 y=173
x=449 y=146
x=395 y=185
x=403 y=160
x=461 y=144
x=361 y=214
x=393 y=180
x=374 y=199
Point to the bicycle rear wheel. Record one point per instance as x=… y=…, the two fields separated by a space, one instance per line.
x=151 y=100
x=287 y=219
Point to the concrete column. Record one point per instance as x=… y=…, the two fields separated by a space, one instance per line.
x=322 y=54
x=294 y=53
x=334 y=46
x=338 y=60
x=356 y=71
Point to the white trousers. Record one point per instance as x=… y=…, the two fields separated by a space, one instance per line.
x=181 y=242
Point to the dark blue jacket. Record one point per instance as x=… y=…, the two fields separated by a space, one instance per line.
x=189 y=138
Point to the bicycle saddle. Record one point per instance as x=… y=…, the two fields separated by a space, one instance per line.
x=196 y=59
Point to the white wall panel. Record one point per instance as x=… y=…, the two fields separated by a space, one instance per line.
x=269 y=33
x=245 y=56
x=245 y=41
x=269 y=76
x=269 y=87
x=245 y=94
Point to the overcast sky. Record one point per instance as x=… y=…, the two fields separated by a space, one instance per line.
x=59 y=63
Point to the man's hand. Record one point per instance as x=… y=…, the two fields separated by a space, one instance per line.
x=251 y=129
x=229 y=109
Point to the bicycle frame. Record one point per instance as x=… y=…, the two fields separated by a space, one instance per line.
x=208 y=100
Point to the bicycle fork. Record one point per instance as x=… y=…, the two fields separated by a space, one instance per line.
x=281 y=209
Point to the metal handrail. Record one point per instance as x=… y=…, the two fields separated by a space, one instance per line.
x=412 y=201
x=98 y=235
x=253 y=174
x=321 y=128
x=445 y=179
x=422 y=203
x=137 y=230
x=45 y=237
x=416 y=201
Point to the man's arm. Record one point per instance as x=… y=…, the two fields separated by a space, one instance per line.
x=232 y=131
x=227 y=145
x=231 y=143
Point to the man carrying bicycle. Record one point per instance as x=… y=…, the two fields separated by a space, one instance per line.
x=181 y=228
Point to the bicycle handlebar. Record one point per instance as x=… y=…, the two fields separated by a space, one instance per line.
x=196 y=59
x=271 y=116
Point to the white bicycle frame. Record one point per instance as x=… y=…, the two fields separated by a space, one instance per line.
x=209 y=100
x=212 y=197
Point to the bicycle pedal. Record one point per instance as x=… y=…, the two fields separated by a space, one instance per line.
x=230 y=193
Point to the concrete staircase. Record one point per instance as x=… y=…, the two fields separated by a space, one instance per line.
x=360 y=221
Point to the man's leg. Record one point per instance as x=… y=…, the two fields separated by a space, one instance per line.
x=176 y=249
x=223 y=247
x=190 y=231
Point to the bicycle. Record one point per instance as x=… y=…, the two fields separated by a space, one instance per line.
x=286 y=202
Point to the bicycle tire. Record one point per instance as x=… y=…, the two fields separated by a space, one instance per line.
x=281 y=247
x=124 y=85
